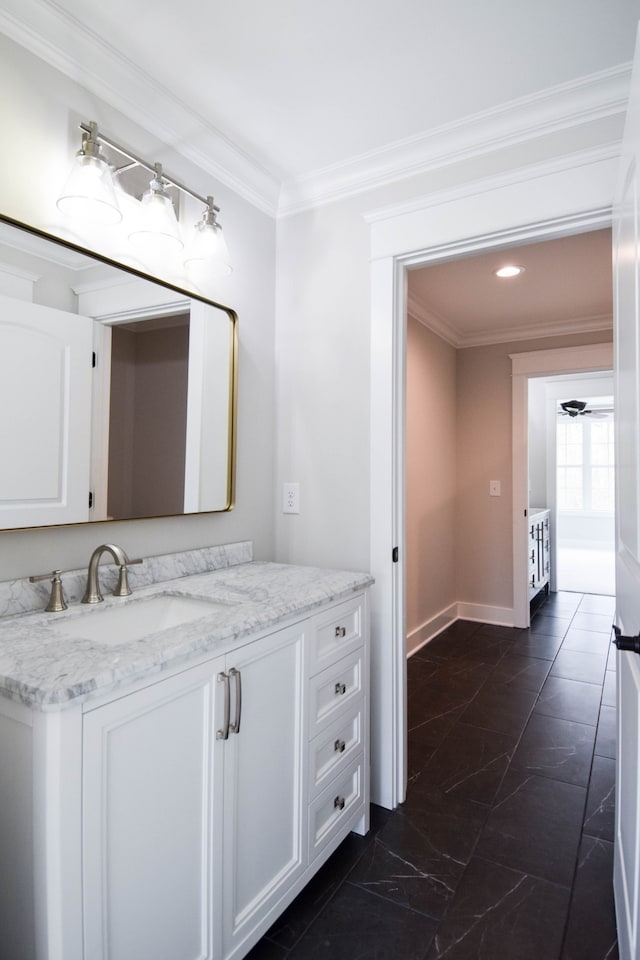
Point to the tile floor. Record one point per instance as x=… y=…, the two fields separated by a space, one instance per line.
x=503 y=849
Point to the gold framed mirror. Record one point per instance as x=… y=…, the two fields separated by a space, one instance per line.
x=118 y=392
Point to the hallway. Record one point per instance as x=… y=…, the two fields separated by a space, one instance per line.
x=504 y=845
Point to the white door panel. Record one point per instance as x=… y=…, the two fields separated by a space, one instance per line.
x=626 y=249
x=45 y=393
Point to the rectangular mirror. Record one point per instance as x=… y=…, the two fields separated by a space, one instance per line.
x=117 y=392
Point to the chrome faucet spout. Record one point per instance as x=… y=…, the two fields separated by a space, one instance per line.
x=92 y=592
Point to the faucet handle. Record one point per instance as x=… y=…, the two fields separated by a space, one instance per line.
x=56 y=599
x=122 y=587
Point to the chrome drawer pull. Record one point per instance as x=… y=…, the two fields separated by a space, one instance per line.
x=339 y=746
x=339 y=803
x=223 y=734
x=235 y=726
x=341 y=689
x=341 y=631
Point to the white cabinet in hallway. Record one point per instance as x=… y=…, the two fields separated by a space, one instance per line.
x=538 y=550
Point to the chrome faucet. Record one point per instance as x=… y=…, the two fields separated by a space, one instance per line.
x=92 y=592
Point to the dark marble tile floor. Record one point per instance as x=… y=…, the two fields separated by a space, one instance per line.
x=504 y=846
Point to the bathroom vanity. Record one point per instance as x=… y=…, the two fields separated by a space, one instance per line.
x=164 y=795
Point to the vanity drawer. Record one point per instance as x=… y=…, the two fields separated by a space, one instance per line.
x=328 y=813
x=338 y=632
x=333 y=692
x=334 y=749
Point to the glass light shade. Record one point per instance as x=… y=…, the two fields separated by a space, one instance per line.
x=89 y=192
x=157 y=228
x=207 y=254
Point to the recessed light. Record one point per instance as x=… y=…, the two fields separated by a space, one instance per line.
x=510 y=270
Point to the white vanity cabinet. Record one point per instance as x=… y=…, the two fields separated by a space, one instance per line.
x=151 y=796
x=181 y=825
x=157 y=836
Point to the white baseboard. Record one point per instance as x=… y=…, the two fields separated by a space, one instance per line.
x=431 y=628
x=500 y=616
x=478 y=612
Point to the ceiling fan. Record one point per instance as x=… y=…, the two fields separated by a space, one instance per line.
x=574 y=408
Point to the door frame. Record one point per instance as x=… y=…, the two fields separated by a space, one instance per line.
x=495 y=214
x=537 y=363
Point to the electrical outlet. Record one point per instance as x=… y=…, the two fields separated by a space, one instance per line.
x=291 y=498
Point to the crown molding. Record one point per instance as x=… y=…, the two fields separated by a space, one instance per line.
x=594 y=97
x=11 y=270
x=434 y=322
x=472 y=188
x=65 y=43
x=448 y=332
x=46 y=248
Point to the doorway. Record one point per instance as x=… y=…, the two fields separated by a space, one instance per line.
x=506 y=214
x=571 y=473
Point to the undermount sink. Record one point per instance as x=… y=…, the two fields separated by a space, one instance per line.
x=139 y=618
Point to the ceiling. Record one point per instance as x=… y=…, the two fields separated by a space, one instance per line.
x=566 y=287
x=273 y=94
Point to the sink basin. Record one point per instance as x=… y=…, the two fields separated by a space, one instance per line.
x=115 y=625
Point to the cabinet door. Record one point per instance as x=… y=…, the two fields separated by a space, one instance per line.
x=263 y=785
x=150 y=789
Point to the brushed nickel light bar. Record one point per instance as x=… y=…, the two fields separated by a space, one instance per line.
x=90 y=190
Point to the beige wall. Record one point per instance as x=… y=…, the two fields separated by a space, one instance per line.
x=483 y=531
x=431 y=478
x=458 y=538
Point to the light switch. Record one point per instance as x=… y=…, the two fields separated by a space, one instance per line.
x=494 y=488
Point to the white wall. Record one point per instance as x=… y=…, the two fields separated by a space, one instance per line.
x=323 y=327
x=39 y=112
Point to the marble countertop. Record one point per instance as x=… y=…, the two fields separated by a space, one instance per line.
x=46 y=669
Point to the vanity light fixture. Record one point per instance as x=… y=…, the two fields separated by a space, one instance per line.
x=156 y=228
x=157 y=221
x=509 y=270
x=89 y=189
x=208 y=249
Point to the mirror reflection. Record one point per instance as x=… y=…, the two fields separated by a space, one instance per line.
x=117 y=392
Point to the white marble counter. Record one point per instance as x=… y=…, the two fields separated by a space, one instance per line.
x=42 y=667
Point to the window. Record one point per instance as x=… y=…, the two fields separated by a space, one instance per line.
x=585 y=462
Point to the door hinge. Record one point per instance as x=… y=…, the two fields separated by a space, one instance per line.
x=626 y=643
x=394 y=554
x=90 y=499
x=94 y=359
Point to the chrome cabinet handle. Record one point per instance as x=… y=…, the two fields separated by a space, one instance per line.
x=339 y=803
x=339 y=746
x=341 y=689
x=223 y=734
x=235 y=726
x=341 y=631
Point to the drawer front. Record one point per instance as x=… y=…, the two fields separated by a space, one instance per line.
x=337 y=633
x=333 y=750
x=330 y=811
x=333 y=692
